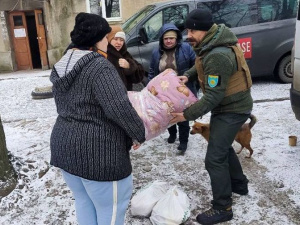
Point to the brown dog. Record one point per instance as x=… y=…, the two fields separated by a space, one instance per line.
x=243 y=136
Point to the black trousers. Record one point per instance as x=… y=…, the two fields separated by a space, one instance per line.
x=184 y=131
x=221 y=161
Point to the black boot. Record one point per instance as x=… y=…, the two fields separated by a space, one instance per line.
x=172 y=131
x=172 y=138
x=214 y=216
x=184 y=130
x=182 y=146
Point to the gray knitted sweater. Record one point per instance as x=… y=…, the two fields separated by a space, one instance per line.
x=96 y=122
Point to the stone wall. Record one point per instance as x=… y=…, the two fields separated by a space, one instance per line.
x=7 y=57
x=6 y=54
x=59 y=17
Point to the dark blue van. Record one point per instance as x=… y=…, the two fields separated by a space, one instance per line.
x=265 y=29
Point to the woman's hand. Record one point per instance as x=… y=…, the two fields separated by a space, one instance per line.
x=183 y=79
x=136 y=145
x=124 y=64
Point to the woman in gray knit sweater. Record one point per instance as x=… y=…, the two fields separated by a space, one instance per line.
x=96 y=126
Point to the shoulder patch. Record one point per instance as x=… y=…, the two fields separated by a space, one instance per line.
x=213 y=80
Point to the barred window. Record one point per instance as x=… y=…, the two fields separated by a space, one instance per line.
x=109 y=9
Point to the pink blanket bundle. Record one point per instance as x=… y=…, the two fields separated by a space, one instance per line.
x=163 y=94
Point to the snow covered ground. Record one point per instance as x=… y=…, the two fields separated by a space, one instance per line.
x=41 y=196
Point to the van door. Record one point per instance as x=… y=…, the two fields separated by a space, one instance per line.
x=20 y=40
x=295 y=88
x=277 y=19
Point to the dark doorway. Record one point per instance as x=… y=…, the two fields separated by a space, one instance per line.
x=33 y=42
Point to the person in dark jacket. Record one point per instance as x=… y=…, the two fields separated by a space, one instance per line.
x=226 y=83
x=131 y=72
x=96 y=126
x=179 y=56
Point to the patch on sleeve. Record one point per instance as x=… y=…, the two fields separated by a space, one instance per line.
x=213 y=80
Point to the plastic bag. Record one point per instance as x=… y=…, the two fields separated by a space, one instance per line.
x=145 y=199
x=172 y=209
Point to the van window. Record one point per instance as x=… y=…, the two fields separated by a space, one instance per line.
x=247 y=12
x=152 y=26
x=272 y=10
x=175 y=14
x=286 y=9
x=244 y=11
x=136 y=18
x=265 y=9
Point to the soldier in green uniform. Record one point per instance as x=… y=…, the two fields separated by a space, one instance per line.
x=225 y=81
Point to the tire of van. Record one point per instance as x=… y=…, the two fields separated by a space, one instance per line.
x=284 y=70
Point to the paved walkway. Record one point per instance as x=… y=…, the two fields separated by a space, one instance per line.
x=22 y=73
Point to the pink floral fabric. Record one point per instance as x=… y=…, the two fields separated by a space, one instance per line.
x=152 y=111
x=167 y=87
x=163 y=95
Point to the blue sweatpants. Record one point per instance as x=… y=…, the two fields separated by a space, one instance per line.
x=100 y=202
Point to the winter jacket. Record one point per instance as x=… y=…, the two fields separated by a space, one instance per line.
x=184 y=55
x=96 y=123
x=218 y=61
x=134 y=74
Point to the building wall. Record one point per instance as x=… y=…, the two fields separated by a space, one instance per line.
x=60 y=20
x=15 y=5
x=6 y=54
x=59 y=17
x=130 y=7
x=7 y=58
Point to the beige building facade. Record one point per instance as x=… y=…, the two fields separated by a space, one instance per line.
x=34 y=34
x=130 y=7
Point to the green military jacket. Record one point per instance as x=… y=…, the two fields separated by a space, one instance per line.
x=219 y=65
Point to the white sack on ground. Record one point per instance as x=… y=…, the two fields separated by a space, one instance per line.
x=145 y=199
x=172 y=209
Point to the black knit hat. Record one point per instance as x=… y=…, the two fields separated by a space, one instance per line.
x=89 y=29
x=199 y=19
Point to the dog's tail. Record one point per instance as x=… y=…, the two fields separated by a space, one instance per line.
x=253 y=120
